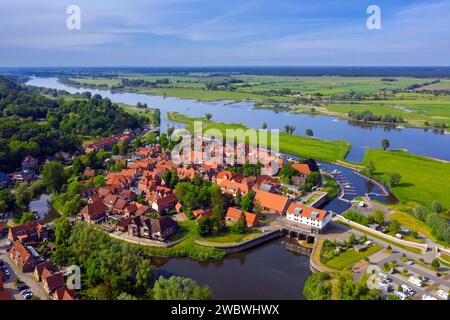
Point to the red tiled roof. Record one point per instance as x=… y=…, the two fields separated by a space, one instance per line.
x=301 y=168
x=271 y=200
x=54 y=281
x=235 y=214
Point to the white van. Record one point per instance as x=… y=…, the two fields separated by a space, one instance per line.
x=399 y=294
x=442 y=294
x=428 y=297
x=407 y=290
x=415 y=281
x=384 y=277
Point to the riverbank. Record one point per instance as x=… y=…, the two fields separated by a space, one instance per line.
x=325 y=150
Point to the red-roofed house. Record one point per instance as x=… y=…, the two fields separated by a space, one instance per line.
x=94 y=213
x=64 y=293
x=25 y=258
x=200 y=213
x=53 y=281
x=272 y=202
x=164 y=204
x=39 y=269
x=234 y=214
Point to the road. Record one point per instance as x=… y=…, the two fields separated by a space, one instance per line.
x=35 y=287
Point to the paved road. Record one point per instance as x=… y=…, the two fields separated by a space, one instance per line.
x=35 y=287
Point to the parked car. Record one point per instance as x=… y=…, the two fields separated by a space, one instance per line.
x=410 y=262
x=22 y=287
x=1 y=263
x=392 y=271
x=7 y=272
x=27 y=294
x=428 y=297
x=384 y=277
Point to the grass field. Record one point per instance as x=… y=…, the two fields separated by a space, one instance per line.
x=231 y=238
x=350 y=256
x=187 y=247
x=412 y=223
x=298 y=145
x=423 y=179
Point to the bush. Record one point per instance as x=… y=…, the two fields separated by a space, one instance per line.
x=356 y=217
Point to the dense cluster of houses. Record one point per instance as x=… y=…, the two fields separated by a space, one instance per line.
x=24 y=238
x=142 y=177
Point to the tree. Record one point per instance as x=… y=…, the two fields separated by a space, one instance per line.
x=178 y=288
x=238 y=197
x=62 y=231
x=204 y=226
x=314 y=178
x=53 y=176
x=208 y=116
x=6 y=200
x=435 y=264
x=394 y=179
x=77 y=166
x=240 y=226
x=352 y=239
x=394 y=226
x=436 y=206
x=144 y=275
x=378 y=217
x=309 y=132
x=290 y=129
x=286 y=173
x=385 y=144
x=26 y=217
x=247 y=202
x=257 y=209
x=99 y=181
x=115 y=150
x=22 y=195
x=370 y=168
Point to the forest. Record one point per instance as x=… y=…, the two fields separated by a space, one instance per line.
x=32 y=124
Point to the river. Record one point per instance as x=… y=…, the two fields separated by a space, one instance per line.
x=270 y=271
x=361 y=136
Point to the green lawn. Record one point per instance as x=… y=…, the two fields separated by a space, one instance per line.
x=188 y=247
x=298 y=145
x=231 y=238
x=412 y=223
x=423 y=179
x=350 y=256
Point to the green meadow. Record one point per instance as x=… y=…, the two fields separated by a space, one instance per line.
x=306 y=147
x=423 y=179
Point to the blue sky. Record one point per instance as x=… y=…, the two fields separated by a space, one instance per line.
x=224 y=33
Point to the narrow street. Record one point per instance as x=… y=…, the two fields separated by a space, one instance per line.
x=28 y=278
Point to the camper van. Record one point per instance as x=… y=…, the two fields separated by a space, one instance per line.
x=442 y=294
x=415 y=281
x=407 y=290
